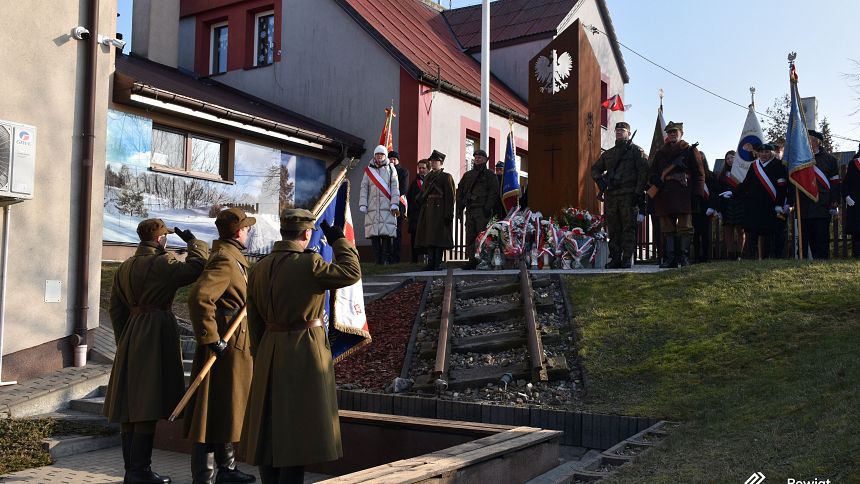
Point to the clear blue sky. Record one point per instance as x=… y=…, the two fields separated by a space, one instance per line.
x=728 y=46
x=725 y=46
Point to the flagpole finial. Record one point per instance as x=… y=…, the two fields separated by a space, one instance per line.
x=752 y=96
x=660 y=93
x=791 y=57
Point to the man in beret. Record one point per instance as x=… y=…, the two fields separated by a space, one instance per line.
x=291 y=419
x=147 y=380
x=214 y=416
x=403 y=184
x=677 y=175
x=620 y=174
x=815 y=216
x=435 y=230
x=478 y=195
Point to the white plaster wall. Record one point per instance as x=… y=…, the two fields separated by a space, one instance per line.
x=46 y=91
x=331 y=70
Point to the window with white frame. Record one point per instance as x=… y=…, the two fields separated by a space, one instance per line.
x=264 y=38
x=218 y=49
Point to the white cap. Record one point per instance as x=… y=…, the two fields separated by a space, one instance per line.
x=380 y=149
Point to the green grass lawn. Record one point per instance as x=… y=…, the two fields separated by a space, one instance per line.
x=760 y=361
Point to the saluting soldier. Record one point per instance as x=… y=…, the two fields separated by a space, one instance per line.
x=620 y=173
x=815 y=216
x=215 y=413
x=678 y=176
x=477 y=194
x=436 y=221
x=147 y=381
x=291 y=419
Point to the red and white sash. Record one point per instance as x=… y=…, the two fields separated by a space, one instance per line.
x=765 y=181
x=822 y=178
x=380 y=184
x=707 y=192
x=856 y=163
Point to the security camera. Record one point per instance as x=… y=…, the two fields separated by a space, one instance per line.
x=81 y=33
x=119 y=44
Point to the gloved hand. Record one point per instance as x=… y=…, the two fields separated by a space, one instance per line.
x=849 y=201
x=779 y=209
x=834 y=211
x=218 y=347
x=395 y=210
x=362 y=209
x=640 y=218
x=331 y=233
x=719 y=215
x=710 y=212
x=726 y=194
x=185 y=235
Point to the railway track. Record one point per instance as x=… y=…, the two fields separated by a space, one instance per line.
x=489 y=332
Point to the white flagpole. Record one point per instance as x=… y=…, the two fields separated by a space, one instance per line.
x=485 y=77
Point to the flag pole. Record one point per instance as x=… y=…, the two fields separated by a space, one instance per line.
x=485 y=75
x=799 y=223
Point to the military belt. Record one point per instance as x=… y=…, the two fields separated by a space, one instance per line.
x=283 y=328
x=150 y=308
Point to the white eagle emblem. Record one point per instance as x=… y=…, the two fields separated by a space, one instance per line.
x=552 y=72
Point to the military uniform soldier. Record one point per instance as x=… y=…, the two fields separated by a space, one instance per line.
x=620 y=172
x=215 y=413
x=147 y=381
x=477 y=194
x=291 y=418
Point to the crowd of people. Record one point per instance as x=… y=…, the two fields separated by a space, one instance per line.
x=279 y=351
x=684 y=196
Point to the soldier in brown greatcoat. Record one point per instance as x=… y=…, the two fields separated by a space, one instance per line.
x=146 y=381
x=291 y=419
x=214 y=417
x=478 y=195
x=436 y=222
x=678 y=175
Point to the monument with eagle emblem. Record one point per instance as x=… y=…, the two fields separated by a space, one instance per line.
x=564 y=123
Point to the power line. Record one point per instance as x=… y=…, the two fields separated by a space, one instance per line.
x=595 y=30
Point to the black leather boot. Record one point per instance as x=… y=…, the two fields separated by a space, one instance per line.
x=431 y=256
x=625 y=263
x=228 y=471
x=126 y=448
x=140 y=460
x=291 y=475
x=437 y=261
x=615 y=261
x=682 y=250
x=669 y=261
x=202 y=464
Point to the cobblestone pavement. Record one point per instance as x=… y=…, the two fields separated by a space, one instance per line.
x=105 y=466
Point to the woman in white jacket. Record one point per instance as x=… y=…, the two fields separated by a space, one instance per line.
x=379 y=202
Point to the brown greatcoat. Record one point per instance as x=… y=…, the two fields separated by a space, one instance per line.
x=679 y=184
x=146 y=381
x=291 y=418
x=215 y=413
x=436 y=221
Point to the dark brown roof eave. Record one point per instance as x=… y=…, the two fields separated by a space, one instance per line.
x=329 y=144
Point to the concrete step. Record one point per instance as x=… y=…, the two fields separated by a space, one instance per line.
x=93 y=405
x=570 y=471
x=67 y=445
x=54 y=391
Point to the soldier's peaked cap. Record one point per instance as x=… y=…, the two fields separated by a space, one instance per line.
x=297 y=219
x=816 y=134
x=151 y=228
x=437 y=155
x=673 y=125
x=481 y=153
x=622 y=125
x=230 y=220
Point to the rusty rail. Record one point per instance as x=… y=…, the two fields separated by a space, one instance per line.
x=536 y=359
x=440 y=370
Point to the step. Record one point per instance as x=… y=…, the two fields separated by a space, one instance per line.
x=54 y=391
x=93 y=405
x=67 y=445
x=570 y=471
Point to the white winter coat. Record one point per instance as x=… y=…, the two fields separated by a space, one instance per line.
x=378 y=219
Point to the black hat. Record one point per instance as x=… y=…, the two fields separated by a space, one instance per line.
x=673 y=125
x=437 y=156
x=151 y=228
x=815 y=134
x=297 y=219
x=765 y=147
x=500 y=164
x=622 y=125
x=480 y=153
x=230 y=220
x=394 y=154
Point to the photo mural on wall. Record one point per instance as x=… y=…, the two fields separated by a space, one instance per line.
x=139 y=186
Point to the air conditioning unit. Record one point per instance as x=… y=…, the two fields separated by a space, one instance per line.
x=17 y=160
